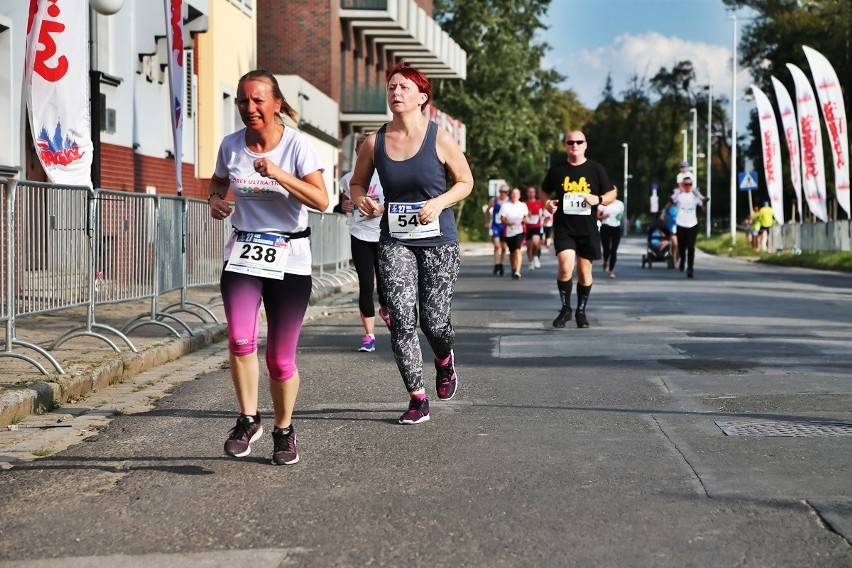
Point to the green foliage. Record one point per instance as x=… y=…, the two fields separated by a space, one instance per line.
x=510 y=105
x=721 y=245
x=649 y=116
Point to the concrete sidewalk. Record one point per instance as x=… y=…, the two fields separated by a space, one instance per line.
x=91 y=364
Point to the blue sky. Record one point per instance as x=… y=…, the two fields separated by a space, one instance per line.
x=591 y=38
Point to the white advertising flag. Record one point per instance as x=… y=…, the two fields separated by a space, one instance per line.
x=174 y=37
x=810 y=135
x=57 y=89
x=771 y=145
x=791 y=135
x=834 y=113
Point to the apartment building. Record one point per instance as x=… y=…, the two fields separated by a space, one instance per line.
x=330 y=57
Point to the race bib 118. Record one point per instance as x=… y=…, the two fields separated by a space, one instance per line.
x=575 y=204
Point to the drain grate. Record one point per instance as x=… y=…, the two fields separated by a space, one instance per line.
x=787 y=428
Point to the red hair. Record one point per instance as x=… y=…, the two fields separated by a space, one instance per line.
x=416 y=77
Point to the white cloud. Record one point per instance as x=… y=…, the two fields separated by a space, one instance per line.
x=644 y=55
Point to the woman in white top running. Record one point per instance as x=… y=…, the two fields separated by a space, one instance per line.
x=275 y=175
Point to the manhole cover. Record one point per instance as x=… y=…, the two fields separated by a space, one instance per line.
x=788 y=428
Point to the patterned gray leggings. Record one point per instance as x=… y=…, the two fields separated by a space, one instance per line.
x=427 y=272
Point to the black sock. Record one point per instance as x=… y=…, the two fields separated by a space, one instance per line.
x=582 y=297
x=565 y=292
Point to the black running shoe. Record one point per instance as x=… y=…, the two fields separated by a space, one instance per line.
x=247 y=430
x=446 y=379
x=284 y=452
x=582 y=321
x=418 y=411
x=564 y=316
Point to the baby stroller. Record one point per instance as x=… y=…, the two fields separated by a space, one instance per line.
x=659 y=246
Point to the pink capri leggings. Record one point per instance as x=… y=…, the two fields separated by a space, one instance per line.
x=285 y=302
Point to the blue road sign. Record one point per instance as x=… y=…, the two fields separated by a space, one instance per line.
x=748 y=181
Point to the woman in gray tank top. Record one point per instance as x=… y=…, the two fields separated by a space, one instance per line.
x=418 y=249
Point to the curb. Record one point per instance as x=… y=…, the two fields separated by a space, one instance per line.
x=45 y=395
x=112 y=368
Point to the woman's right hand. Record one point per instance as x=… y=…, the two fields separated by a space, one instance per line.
x=368 y=207
x=219 y=208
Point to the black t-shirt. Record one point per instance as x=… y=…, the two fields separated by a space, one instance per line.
x=568 y=184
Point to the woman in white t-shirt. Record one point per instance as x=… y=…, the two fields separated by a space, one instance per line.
x=275 y=175
x=611 y=217
x=688 y=203
x=513 y=215
x=364 y=235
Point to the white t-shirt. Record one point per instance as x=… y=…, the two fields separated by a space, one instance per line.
x=262 y=205
x=364 y=228
x=687 y=205
x=612 y=214
x=514 y=213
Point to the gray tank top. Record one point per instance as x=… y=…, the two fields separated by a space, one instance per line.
x=414 y=180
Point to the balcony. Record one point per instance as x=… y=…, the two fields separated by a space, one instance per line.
x=407 y=32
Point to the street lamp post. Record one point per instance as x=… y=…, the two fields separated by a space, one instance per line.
x=694 y=112
x=684 y=132
x=733 y=17
x=626 y=177
x=709 y=150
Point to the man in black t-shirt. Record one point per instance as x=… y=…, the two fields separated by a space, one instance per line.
x=572 y=192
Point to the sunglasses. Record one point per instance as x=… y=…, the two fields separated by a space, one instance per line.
x=575 y=142
x=687 y=183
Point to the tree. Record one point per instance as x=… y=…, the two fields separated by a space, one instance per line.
x=511 y=106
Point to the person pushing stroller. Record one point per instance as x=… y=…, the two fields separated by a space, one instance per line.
x=659 y=243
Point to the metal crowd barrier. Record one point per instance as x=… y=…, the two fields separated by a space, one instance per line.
x=330 y=250
x=813 y=237
x=70 y=246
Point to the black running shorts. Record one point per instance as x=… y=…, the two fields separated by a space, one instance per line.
x=586 y=246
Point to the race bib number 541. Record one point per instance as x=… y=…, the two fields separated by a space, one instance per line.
x=403 y=222
x=259 y=254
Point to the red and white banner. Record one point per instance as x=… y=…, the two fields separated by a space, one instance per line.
x=834 y=113
x=174 y=41
x=810 y=134
x=771 y=145
x=56 y=81
x=791 y=134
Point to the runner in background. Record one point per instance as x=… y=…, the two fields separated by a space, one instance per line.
x=364 y=241
x=535 y=221
x=612 y=218
x=496 y=228
x=513 y=215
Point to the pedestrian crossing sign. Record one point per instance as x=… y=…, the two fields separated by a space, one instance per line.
x=748 y=181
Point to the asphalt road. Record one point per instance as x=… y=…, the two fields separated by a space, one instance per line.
x=594 y=447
